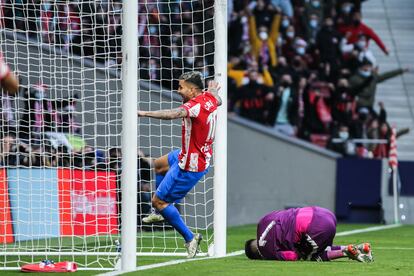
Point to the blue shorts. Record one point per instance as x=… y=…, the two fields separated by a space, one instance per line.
x=177 y=182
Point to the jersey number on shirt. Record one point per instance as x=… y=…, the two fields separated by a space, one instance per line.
x=212 y=121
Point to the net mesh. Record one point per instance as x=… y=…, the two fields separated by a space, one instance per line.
x=61 y=134
x=174 y=37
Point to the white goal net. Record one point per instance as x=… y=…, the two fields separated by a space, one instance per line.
x=60 y=134
x=60 y=141
x=174 y=37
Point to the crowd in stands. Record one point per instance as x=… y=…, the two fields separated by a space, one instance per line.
x=38 y=131
x=86 y=28
x=305 y=69
x=44 y=132
x=174 y=36
x=301 y=67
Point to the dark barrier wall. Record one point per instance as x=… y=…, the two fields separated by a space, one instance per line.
x=406 y=171
x=358 y=190
x=364 y=191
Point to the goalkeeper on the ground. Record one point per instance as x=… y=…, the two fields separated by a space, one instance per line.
x=302 y=234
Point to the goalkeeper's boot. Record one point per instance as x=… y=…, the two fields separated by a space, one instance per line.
x=353 y=252
x=365 y=248
x=153 y=217
x=193 y=245
x=366 y=251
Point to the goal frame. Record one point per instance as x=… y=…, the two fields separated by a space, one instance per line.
x=129 y=138
x=129 y=111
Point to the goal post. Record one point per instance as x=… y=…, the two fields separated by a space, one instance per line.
x=129 y=135
x=60 y=136
x=220 y=176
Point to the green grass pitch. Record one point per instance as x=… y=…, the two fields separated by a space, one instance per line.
x=393 y=250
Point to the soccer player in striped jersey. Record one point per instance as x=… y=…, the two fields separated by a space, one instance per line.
x=179 y=171
x=302 y=234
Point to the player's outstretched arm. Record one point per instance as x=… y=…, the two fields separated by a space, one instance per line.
x=167 y=114
x=213 y=88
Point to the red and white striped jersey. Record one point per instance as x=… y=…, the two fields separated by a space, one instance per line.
x=198 y=130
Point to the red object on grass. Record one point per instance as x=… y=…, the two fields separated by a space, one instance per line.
x=50 y=267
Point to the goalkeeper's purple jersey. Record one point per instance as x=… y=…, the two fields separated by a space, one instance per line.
x=279 y=231
x=275 y=232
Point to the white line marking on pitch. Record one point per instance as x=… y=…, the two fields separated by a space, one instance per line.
x=369 y=229
x=173 y=262
x=145 y=267
x=237 y=253
x=393 y=248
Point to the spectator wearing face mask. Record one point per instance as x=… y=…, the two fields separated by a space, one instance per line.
x=341 y=142
x=263 y=42
x=313 y=9
x=355 y=53
x=284 y=23
x=304 y=52
x=288 y=42
x=312 y=28
x=354 y=30
x=364 y=83
x=354 y=5
x=252 y=98
x=300 y=47
x=361 y=46
x=344 y=10
x=284 y=115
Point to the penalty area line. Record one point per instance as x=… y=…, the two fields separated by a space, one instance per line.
x=240 y=252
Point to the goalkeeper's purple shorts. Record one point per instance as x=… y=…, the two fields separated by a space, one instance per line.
x=177 y=182
x=319 y=223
